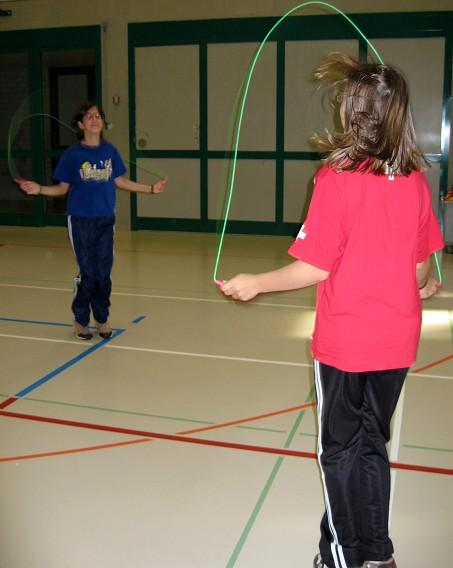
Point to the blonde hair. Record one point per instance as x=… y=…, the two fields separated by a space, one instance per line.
x=379 y=135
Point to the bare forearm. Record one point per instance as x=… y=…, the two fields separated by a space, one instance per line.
x=133 y=186
x=422 y=272
x=291 y=277
x=427 y=285
x=58 y=190
x=33 y=188
x=128 y=185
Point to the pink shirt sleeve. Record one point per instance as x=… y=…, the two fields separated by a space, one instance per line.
x=320 y=241
x=429 y=235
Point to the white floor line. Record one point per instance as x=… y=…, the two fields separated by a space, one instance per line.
x=162 y=351
x=209 y=356
x=35 y=287
x=49 y=340
x=189 y=354
x=212 y=300
x=166 y=297
x=445 y=377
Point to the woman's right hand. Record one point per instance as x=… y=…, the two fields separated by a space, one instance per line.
x=242 y=287
x=28 y=186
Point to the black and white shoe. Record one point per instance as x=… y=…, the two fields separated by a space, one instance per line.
x=82 y=332
x=104 y=330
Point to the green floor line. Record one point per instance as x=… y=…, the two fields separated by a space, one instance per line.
x=264 y=493
x=132 y=413
x=273 y=430
x=248 y=527
x=427 y=448
x=114 y=410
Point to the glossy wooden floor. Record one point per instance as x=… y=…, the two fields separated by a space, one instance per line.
x=87 y=483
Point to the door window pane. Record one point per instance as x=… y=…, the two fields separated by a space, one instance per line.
x=14 y=110
x=13 y=98
x=167 y=98
x=182 y=201
x=426 y=87
x=245 y=205
x=228 y=68
x=305 y=109
x=68 y=80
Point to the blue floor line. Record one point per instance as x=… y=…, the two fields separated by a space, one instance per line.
x=54 y=323
x=68 y=364
x=139 y=319
x=34 y=322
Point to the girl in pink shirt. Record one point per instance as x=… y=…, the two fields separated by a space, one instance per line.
x=366 y=243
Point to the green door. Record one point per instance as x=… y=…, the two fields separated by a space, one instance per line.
x=46 y=75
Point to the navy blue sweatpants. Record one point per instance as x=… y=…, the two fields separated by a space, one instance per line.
x=92 y=243
x=354 y=414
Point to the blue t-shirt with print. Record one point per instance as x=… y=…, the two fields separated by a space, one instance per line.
x=91 y=171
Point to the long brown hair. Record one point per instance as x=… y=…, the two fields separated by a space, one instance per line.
x=378 y=134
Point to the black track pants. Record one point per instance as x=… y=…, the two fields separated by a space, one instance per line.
x=354 y=414
x=92 y=242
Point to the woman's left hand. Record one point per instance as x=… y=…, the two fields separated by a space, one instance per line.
x=159 y=186
x=429 y=289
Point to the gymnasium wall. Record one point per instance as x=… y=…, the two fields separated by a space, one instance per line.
x=115 y=15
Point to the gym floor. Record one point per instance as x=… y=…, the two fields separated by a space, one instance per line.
x=188 y=439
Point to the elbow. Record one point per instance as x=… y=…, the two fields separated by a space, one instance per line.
x=120 y=183
x=323 y=275
x=63 y=189
x=422 y=270
x=424 y=265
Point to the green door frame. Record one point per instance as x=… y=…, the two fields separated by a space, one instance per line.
x=34 y=43
x=295 y=28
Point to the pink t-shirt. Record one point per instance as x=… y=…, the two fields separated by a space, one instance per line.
x=369 y=232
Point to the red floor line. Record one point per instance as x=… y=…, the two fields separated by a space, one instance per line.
x=8 y=401
x=154 y=435
x=421 y=468
x=433 y=364
x=201 y=441
x=251 y=419
x=107 y=446
x=73 y=450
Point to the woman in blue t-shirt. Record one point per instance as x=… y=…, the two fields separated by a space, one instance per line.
x=90 y=170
